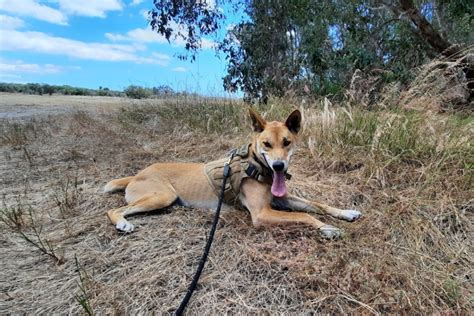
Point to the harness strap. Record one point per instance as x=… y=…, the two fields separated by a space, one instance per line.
x=244 y=164
x=256 y=172
x=253 y=172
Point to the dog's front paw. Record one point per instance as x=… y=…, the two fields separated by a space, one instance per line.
x=350 y=215
x=124 y=226
x=330 y=232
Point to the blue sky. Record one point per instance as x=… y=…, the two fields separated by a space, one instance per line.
x=97 y=43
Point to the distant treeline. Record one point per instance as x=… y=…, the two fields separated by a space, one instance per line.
x=132 y=91
x=40 y=89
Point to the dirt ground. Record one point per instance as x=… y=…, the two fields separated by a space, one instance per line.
x=56 y=155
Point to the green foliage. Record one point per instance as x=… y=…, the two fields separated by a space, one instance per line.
x=314 y=47
x=163 y=91
x=356 y=129
x=318 y=45
x=199 y=17
x=381 y=139
x=131 y=115
x=451 y=291
x=204 y=115
x=397 y=136
x=132 y=91
x=40 y=89
x=104 y=92
x=454 y=19
x=48 y=89
x=83 y=298
x=137 y=92
x=207 y=116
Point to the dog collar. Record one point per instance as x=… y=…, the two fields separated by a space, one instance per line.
x=257 y=171
x=242 y=165
x=253 y=172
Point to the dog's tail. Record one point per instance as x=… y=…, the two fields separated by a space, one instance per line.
x=117 y=185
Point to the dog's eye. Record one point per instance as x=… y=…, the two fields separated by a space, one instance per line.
x=286 y=142
x=267 y=144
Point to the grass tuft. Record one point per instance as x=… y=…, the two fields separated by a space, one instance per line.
x=83 y=296
x=32 y=233
x=17 y=134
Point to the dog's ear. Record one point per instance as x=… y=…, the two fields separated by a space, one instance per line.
x=258 y=122
x=293 y=122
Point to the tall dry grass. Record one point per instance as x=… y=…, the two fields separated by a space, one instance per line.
x=442 y=85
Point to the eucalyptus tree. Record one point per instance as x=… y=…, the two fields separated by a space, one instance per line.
x=309 y=46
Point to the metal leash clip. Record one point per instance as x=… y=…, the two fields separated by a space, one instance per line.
x=227 y=165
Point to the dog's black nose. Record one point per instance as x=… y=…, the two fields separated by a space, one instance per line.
x=278 y=165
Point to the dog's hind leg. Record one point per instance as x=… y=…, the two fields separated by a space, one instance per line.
x=117 y=185
x=149 y=202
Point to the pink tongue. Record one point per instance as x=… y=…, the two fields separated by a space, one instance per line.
x=278 y=185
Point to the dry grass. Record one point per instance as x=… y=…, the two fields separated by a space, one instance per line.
x=410 y=173
x=441 y=85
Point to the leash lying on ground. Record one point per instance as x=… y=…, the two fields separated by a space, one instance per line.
x=202 y=262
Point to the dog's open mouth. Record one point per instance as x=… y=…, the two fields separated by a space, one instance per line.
x=278 y=185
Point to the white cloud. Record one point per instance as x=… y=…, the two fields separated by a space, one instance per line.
x=38 y=42
x=144 y=13
x=180 y=69
x=34 y=9
x=114 y=37
x=10 y=22
x=207 y=44
x=138 y=35
x=18 y=66
x=37 y=10
x=91 y=8
x=161 y=56
x=147 y=35
x=136 y=2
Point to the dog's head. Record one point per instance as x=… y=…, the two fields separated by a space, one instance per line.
x=274 y=145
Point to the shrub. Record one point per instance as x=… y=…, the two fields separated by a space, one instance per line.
x=137 y=92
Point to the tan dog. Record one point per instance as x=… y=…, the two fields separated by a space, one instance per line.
x=258 y=183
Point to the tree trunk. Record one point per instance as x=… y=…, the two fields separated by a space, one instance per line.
x=426 y=29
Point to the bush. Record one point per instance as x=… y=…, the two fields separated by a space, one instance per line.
x=137 y=92
x=163 y=91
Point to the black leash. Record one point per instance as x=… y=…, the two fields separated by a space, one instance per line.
x=202 y=262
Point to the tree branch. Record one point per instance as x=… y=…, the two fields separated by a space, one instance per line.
x=425 y=28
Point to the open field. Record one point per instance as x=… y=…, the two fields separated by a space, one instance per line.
x=13 y=105
x=411 y=174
